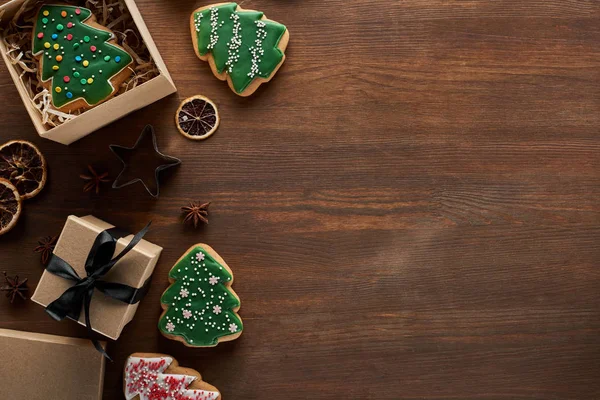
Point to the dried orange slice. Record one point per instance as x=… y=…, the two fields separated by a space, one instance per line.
x=24 y=166
x=197 y=118
x=10 y=206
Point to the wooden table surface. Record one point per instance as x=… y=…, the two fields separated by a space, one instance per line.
x=411 y=207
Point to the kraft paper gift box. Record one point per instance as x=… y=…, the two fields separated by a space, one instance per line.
x=108 y=316
x=106 y=113
x=46 y=367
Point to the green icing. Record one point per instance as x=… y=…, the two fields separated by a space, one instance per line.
x=241 y=43
x=76 y=41
x=199 y=304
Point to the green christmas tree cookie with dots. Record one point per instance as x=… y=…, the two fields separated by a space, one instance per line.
x=242 y=46
x=78 y=62
x=200 y=307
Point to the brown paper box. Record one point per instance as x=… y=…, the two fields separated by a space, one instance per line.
x=46 y=367
x=108 y=316
x=108 y=112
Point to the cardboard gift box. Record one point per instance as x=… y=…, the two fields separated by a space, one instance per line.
x=108 y=316
x=107 y=112
x=44 y=367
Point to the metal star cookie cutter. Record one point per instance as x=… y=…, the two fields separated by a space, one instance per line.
x=118 y=151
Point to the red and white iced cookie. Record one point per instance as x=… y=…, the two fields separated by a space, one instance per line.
x=150 y=376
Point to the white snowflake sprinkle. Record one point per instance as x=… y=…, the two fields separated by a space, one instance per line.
x=187 y=314
x=184 y=293
x=217 y=310
x=170 y=327
x=232 y=328
x=213 y=280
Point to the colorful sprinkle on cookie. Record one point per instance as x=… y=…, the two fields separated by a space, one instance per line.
x=80 y=61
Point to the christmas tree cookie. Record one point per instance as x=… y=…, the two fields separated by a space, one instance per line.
x=200 y=307
x=241 y=46
x=151 y=376
x=79 y=61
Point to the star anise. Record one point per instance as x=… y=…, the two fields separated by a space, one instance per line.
x=46 y=247
x=14 y=287
x=196 y=213
x=95 y=180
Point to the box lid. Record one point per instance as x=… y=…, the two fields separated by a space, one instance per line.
x=43 y=367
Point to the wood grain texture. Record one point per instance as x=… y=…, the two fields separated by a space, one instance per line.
x=410 y=207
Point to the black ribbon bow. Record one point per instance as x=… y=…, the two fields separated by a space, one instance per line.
x=99 y=262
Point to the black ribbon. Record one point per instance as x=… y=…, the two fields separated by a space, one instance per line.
x=99 y=262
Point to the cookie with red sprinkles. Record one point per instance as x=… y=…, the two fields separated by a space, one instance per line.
x=150 y=376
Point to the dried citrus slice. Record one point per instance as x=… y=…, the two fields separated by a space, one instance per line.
x=10 y=206
x=24 y=166
x=197 y=118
